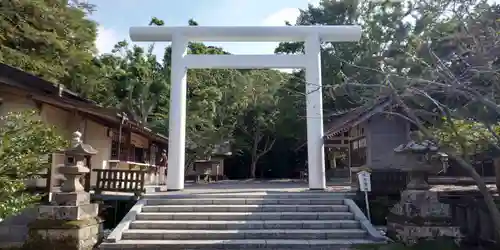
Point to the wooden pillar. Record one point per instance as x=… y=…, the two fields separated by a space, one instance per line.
x=88 y=176
x=222 y=167
x=49 y=178
x=334 y=158
x=352 y=177
x=129 y=145
x=349 y=154
x=496 y=165
x=327 y=159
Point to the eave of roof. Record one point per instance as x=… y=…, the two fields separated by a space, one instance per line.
x=34 y=82
x=356 y=116
x=44 y=91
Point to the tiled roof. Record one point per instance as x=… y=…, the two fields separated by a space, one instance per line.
x=355 y=116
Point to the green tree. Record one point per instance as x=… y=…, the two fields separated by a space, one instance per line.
x=214 y=100
x=51 y=39
x=382 y=25
x=466 y=138
x=291 y=124
x=437 y=59
x=136 y=80
x=448 y=81
x=24 y=152
x=135 y=77
x=257 y=122
x=387 y=37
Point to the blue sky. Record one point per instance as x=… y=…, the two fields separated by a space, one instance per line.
x=116 y=16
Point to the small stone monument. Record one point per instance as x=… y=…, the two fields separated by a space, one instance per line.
x=71 y=222
x=419 y=214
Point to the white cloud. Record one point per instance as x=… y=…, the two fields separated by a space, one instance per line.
x=287 y=14
x=278 y=18
x=106 y=39
x=313 y=2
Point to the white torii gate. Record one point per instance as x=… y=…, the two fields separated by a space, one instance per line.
x=310 y=61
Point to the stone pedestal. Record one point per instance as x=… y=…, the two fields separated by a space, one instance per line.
x=72 y=222
x=65 y=227
x=419 y=215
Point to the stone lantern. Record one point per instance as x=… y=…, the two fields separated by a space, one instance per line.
x=419 y=214
x=421 y=158
x=72 y=192
x=71 y=222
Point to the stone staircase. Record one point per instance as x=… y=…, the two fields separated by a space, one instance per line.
x=305 y=220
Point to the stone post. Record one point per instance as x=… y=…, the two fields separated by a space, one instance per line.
x=71 y=222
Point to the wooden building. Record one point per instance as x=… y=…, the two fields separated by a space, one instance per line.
x=211 y=168
x=120 y=141
x=365 y=138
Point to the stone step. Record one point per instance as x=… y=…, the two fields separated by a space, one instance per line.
x=278 y=195
x=245 y=208
x=304 y=234
x=337 y=244
x=247 y=216
x=242 y=225
x=244 y=201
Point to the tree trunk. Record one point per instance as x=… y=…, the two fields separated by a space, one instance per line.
x=488 y=198
x=254 y=154
x=253 y=168
x=496 y=165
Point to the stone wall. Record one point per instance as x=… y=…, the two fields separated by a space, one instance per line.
x=14 y=229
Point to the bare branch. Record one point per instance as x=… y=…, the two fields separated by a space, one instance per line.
x=267 y=147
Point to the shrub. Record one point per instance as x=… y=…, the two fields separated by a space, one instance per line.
x=25 y=145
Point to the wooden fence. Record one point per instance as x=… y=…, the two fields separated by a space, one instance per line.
x=388 y=181
x=113 y=180
x=391 y=181
x=470 y=213
x=120 y=180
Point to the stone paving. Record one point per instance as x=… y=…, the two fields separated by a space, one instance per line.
x=234 y=186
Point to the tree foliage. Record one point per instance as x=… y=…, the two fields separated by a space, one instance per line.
x=437 y=59
x=135 y=79
x=443 y=72
x=51 y=39
x=466 y=138
x=25 y=145
x=256 y=123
